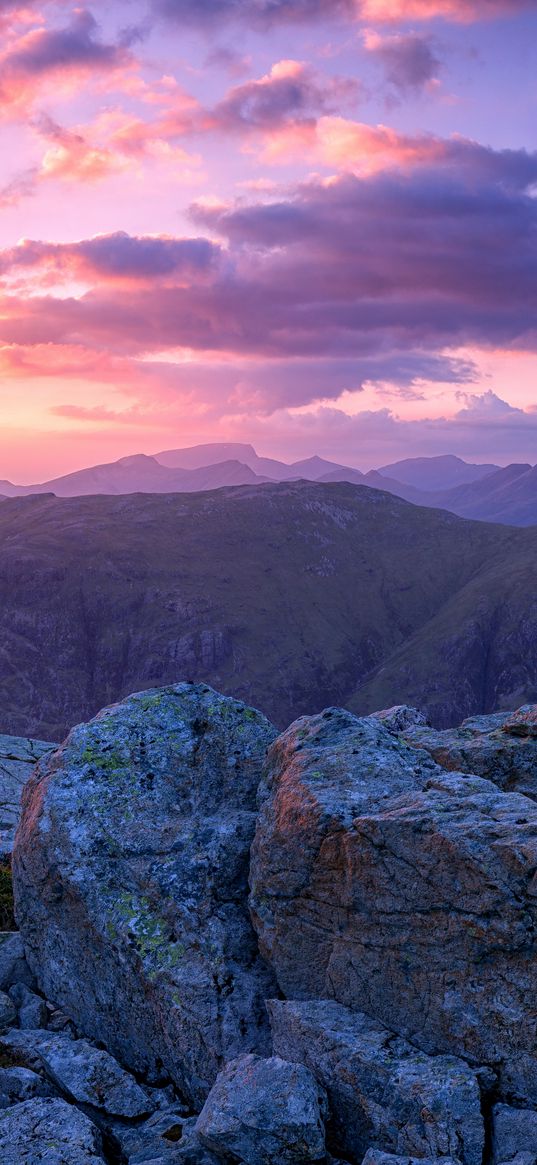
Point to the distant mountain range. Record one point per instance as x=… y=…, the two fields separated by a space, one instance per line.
x=292 y=596
x=484 y=492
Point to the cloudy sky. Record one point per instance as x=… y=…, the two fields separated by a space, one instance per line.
x=309 y=224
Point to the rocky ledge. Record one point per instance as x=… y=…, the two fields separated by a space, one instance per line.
x=236 y=947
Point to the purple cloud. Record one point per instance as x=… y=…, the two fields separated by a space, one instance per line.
x=290 y=92
x=264 y=13
x=408 y=60
x=388 y=272
x=77 y=44
x=118 y=256
x=253 y=12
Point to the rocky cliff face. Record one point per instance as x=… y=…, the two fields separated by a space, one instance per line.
x=394 y=904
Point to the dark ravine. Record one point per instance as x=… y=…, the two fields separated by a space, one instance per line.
x=389 y=926
x=290 y=597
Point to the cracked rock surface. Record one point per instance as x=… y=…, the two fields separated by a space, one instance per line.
x=382 y=1091
x=385 y=883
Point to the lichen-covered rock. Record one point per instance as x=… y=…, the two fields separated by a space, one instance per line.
x=50 y=1132
x=382 y=1092
x=130 y=874
x=87 y=1075
x=264 y=1112
x=514 y=1131
x=400 y=890
x=18 y=756
x=502 y=748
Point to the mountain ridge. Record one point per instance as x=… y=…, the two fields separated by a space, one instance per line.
x=503 y=495
x=291 y=596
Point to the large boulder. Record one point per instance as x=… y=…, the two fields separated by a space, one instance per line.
x=264 y=1112
x=382 y=1092
x=130 y=875
x=501 y=747
x=18 y=756
x=400 y=890
x=50 y=1132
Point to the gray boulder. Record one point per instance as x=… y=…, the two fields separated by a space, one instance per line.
x=382 y=1092
x=32 y=1009
x=18 y=756
x=13 y=965
x=400 y=890
x=130 y=876
x=19 y=1084
x=502 y=748
x=50 y=1132
x=514 y=1132
x=83 y=1073
x=264 y=1112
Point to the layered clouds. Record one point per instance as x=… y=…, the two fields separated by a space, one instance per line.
x=238 y=246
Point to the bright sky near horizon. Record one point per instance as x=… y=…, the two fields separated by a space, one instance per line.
x=309 y=224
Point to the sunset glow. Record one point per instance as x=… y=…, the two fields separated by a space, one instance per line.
x=310 y=225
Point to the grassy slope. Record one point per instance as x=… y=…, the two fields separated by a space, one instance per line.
x=289 y=596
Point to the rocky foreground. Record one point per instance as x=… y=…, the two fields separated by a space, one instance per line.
x=236 y=947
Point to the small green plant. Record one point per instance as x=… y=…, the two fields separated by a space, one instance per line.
x=7 y=917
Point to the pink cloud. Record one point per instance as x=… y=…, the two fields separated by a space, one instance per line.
x=70 y=54
x=465 y=11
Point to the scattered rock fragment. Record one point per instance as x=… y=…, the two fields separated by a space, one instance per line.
x=82 y=1072
x=382 y=1092
x=8 y=1012
x=514 y=1132
x=376 y=1157
x=19 y=1084
x=401 y=717
x=50 y=1132
x=13 y=965
x=32 y=1009
x=502 y=748
x=264 y=1112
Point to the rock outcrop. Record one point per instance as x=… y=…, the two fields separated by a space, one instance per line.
x=130 y=870
x=395 y=888
x=393 y=902
x=382 y=1092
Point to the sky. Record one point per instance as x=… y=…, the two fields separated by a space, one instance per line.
x=307 y=224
